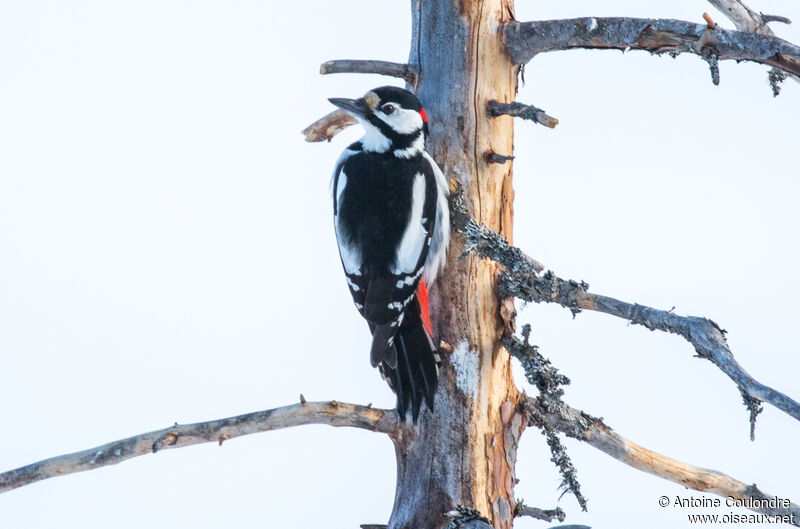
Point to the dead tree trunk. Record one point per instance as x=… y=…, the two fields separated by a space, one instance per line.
x=465 y=452
x=464 y=61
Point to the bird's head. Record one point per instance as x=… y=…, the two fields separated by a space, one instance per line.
x=393 y=119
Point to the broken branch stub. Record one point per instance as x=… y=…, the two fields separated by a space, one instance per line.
x=519 y=110
x=522 y=279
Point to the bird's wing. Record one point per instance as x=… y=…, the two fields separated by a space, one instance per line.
x=441 y=230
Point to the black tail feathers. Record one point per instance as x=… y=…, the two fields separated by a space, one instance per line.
x=415 y=378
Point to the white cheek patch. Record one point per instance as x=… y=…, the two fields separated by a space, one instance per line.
x=402 y=120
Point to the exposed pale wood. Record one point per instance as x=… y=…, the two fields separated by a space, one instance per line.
x=331 y=413
x=392 y=69
x=593 y=431
x=458 y=51
x=328 y=126
x=527 y=39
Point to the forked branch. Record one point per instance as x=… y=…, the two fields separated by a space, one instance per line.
x=705 y=335
x=527 y=39
x=392 y=69
x=331 y=413
x=745 y=19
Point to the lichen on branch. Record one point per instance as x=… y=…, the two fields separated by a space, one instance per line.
x=658 y=36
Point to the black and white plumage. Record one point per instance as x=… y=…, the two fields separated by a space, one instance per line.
x=392 y=226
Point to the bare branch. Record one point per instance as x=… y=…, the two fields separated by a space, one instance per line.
x=522 y=280
x=527 y=39
x=745 y=19
x=463 y=517
x=706 y=336
x=392 y=69
x=328 y=126
x=331 y=413
x=493 y=157
x=485 y=242
x=579 y=425
x=520 y=110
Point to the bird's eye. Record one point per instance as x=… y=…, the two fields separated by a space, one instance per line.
x=388 y=108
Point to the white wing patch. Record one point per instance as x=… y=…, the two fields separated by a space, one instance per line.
x=413 y=241
x=441 y=230
x=351 y=257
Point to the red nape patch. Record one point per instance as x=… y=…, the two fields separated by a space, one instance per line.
x=423 y=114
x=422 y=297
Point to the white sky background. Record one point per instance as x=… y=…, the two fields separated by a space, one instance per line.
x=166 y=254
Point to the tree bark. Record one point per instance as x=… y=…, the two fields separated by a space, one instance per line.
x=464 y=453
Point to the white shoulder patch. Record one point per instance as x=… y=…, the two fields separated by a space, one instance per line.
x=441 y=229
x=351 y=257
x=413 y=242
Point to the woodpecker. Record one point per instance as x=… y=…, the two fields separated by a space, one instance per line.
x=392 y=226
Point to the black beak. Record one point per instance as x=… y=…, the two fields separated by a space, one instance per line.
x=357 y=107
